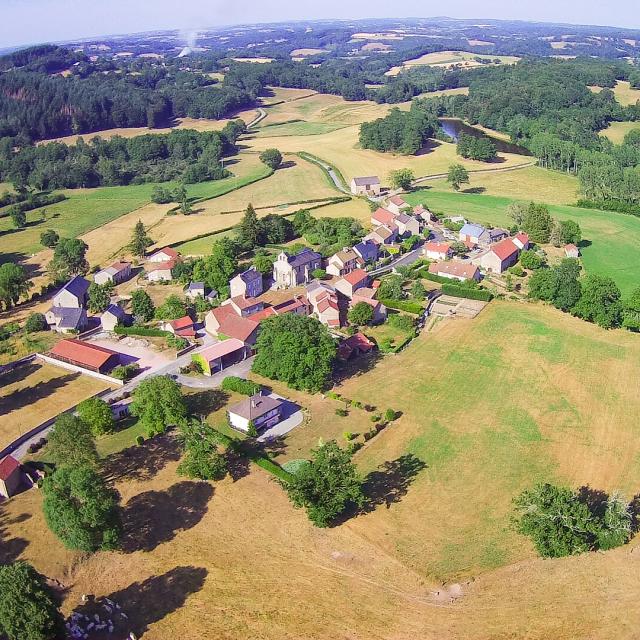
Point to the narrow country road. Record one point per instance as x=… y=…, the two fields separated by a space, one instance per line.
x=332 y=174
x=262 y=114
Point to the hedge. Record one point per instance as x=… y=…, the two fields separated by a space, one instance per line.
x=403 y=305
x=240 y=385
x=435 y=278
x=610 y=205
x=464 y=292
x=141 y=331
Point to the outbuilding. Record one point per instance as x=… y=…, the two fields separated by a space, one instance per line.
x=10 y=476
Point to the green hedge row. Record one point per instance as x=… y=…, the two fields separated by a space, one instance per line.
x=141 y=331
x=403 y=305
x=240 y=385
x=464 y=292
x=434 y=278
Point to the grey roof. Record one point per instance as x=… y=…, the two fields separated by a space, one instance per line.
x=77 y=286
x=193 y=286
x=366 y=249
x=474 y=230
x=363 y=181
x=250 y=274
x=302 y=258
x=497 y=233
x=117 y=311
x=69 y=317
x=256 y=406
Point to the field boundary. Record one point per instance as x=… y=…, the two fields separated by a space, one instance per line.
x=515 y=167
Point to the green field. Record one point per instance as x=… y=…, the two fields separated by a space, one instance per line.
x=201 y=246
x=614 y=237
x=298 y=129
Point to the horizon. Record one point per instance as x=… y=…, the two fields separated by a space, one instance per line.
x=192 y=18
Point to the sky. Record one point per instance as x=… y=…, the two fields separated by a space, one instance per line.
x=35 y=21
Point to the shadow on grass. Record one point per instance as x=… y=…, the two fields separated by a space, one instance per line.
x=356 y=366
x=29 y=395
x=154 y=517
x=142 y=462
x=474 y=190
x=205 y=402
x=11 y=548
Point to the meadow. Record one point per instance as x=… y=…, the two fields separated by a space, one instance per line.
x=489 y=406
x=450 y=59
x=610 y=239
x=616 y=131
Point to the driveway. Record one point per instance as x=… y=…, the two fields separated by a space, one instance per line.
x=292 y=417
x=241 y=370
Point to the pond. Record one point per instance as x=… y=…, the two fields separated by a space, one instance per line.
x=453 y=127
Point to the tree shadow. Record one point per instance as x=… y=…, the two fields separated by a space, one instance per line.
x=287 y=164
x=11 y=548
x=584 y=243
x=391 y=481
x=474 y=190
x=29 y=395
x=142 y=462
x=205 y=402
x=19 y=373
x=144 y=603
x=595 y=499
x=154 y=517
x=429 y=147
x=356 y=366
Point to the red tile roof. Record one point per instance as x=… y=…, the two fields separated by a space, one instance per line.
x=326 y=304
x=172 y=253
x=82 y=353
x=160 y=266
x=523 y=237
x=397 y=200
x=383 y=216
x=259 y=316
x=182 y=323
x=243 y=303
x=438 y=247
x=220 y=349
x=356 y=276
x=454 y=268
x=235 y=326
x=504 y=249
x=7 y=466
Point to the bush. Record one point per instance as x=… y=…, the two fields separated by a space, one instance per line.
x=125 y=372
x=319 y=274
x=376 y=417
x=35 y=322
x=403 y=305
x=465 y=292
x=176 y=342
x=517 y=271
x=390 y=415
x=399 y=321
x=342 y=413
x=239 y=385
x=140 y=440
x=141 y=331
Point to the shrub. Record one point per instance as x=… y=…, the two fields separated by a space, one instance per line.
x=239 y=385
x=517 y=271
x=140 y=440
x=342 y=412
x=402 y=322
x=319 y=274
x=390 y=415
x=125 y=372
x=465 y=292
x=376 y=417
x=141 y=331
x=35 y=322
x=402 y=305
x=348 y=436
x=176 y=342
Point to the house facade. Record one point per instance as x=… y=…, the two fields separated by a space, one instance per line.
x=164 y=255
x=324 y=303
x=407 y=225
x=113 y=316
x=10 y=476
x=247 y=284
x=244 y=306
x=437 y=250
x=367 y=251
x=351 y=282
x=74 y=294
x=342 y=262
x=67 y=319
x=365 y=186
x=471 y=233
x=396 y=205
x=501 y=256
x=293 y=271
x=455 y=270
x=160 y=271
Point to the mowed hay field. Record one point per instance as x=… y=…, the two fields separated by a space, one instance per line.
x=616 y=131
x=36 y=392
x=612 y=238
x=623 y=92
x=490 y=406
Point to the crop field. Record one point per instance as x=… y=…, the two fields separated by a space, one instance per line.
x=612 y=238
x=35 y=392
x=450 y=59
x=476 y=432
x=616 y=131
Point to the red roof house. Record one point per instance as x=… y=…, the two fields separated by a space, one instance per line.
x=437 y=250
x=382 y=217
x=183 y=327
x=521 y=240
x=351 y=282
x=85 y=355
x=355 y=345
x=501 y=256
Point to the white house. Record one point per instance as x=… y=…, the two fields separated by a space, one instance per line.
x=115 y=273
x=471 y=233
x=342 y=262
x=437 y=250
x=365 y=186
x=351 y=282
x=113 y=316
x=73 y=294
x=164 y=255
x=258 y=410
x=160 y=271
x=293 y=271
x=455 y=270
x=397 y=205
x=407 y=225
x=521 y=240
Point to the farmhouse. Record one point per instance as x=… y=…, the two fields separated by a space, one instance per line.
x=164 y=255
x=258 y=411
x=455 y=270
x=382 y=216
x=85 y=355
x=384 y=234
x=183 y=327
x=407 y=225
x=437 y=250
x=348 y=285
x=73 y=294
x=243 y=306
x=293 y=271
x=367 y=251
x=397 y=205
x=365 y=186
x=10 y=476
x=221 y=355
x=160 y=271
x=521 y=240
x=67 y=319
x=116 y=273
x=501 y=256
x=247 y=284
x=571 y=251
x=342 y=262
x=113 y=316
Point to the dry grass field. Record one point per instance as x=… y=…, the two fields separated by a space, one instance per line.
x=35 y=392
x=616 y=131
x=489 y=406
x=450 y=59
x=623 y=92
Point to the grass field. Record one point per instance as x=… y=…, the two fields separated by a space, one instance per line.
x=35 y=392
x=449 y=59
x=614 y=237
x=489 y=423
x=616 y=131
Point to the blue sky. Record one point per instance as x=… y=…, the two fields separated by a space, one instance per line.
x=30 y=21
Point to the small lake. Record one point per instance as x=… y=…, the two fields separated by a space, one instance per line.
x=453 y=127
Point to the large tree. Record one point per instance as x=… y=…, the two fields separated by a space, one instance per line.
x=631 y=311
x=327 y=486
x=537 y=223
x=203 y=458
x=249 y=230
x=96 y=413
x=49 y=238
x=360 y=314
x=401 y=178
x=457 y=176
x=140 y=240
x=81 y=509
x=99 y=296
x=297 y=350
x=158 y=404
x=599 y=301
x=69 y=259
x=217 y=268
x=142 y=306
x=71 y=442
x=14 y=284
x=28 y=610
x=272 y=158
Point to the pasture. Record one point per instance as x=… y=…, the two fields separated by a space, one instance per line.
x=449 y=59
x=486 y=421
x=611 y=238
x=616 y=131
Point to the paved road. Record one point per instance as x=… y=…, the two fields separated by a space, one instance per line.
x=262 y=114
x=405 y=260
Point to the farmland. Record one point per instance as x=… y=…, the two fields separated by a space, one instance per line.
x=534 y=417
x=616 y=131
x=450 y=59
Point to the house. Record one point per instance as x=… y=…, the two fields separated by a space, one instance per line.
x=225 y=322
x=384 y=234
x=382 y=216
x=247 y=284
x=437 y=250
x=423 y=214
x=293 y=271
x=67 y=319
x=115 y=273
x=396 y=205
x=164 y=255
x=197 y=290
x=259 y=411
x=10 y=476
x=407 y=225
x=521 y=240
x=85 y=355
x=367 y=251
x=221 y=355
x=113 y=316
x=501 y=256
x=342 y=262
x=160 y=271
x=455 y=270
x=244 y=306
x=73 y=294
x=298 y=305
x=355 y=345
x=368 y=296
x=571 y=251
x=324 y=302
x=182 y=327
x=471 y=232
x=121 y=408
x=489 y=236
x=351 y=282
x=365 y=186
